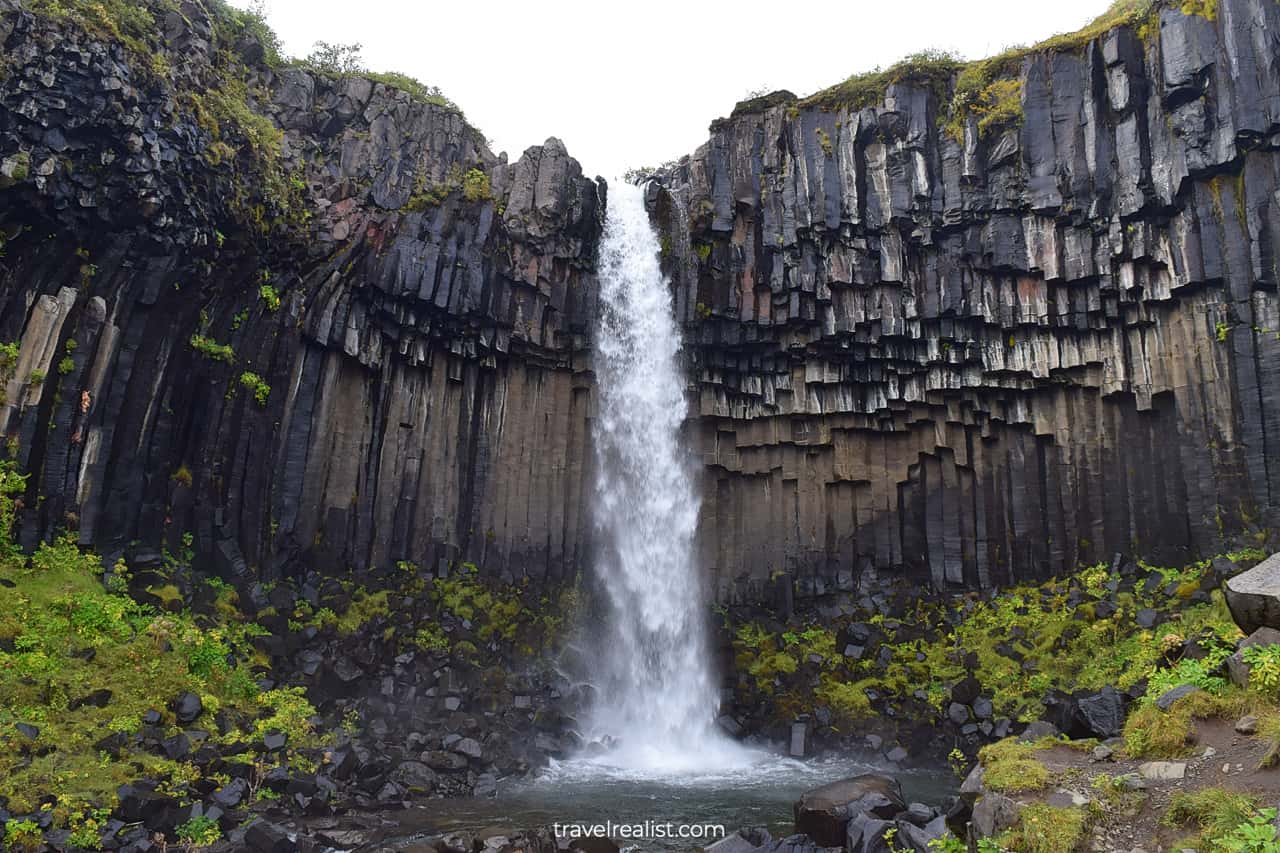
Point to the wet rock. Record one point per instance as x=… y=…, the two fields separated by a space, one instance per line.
x=230 y=795
x=187 y=708
x=1165 y=700
x=745 y=840
x=594 y=844
x=1102 y=714
x=1037 y=730
x=730 y=726
x=469 y=747
x=262 y=836
x=442 y=760
x=415 y=776
x=824 y=813
x=994 y=813
x=1247 y=725
x=141 y=805
x=97 y=699
x=798 y=745
x=177 y=747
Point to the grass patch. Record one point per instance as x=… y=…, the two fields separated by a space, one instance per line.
x=1010 y=766
x=1152 y=733
x=1046 y=829
x=931 y=69
x=1212 y=811
x=1269 y=731
x=989 y=89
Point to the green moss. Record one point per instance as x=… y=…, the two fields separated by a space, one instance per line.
x=59 y=606
x=1204 y=8
x=987 y=88
x=473 y=184
x=130 y=24
x=825 y=142
x=931 y=69
x=414 y=88
x=848 y=702
x=1046 y=829
x=1010 y=766
x=213 y=350
x=270 y=296
x=364 y=608
x=255 y=383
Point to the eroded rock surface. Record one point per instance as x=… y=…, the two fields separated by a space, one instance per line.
x=315 y=322
x=995 y=357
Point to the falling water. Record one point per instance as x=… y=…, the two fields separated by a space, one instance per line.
x=658 y=694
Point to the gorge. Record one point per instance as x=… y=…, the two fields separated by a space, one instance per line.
x=891 y=422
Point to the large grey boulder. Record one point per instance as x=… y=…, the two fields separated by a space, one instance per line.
x=1254 y=596
x=824 y=813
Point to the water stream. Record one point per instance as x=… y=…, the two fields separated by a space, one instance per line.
x=657 y=696
x=657 y=692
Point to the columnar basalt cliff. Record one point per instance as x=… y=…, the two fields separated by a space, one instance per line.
x=309 y=319
x=962 y=333
x=970 y=351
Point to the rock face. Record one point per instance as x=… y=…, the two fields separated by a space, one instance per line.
x=312 y=321
x=1254 y=596
x=991 y=358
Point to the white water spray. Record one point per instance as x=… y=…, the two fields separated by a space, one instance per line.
x=658 y=697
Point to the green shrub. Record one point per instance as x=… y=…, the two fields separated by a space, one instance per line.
x=270 y=297
x=199 y=831
x=213 y=350
x=255 y=383
x=1264 y=669
x=23 y=836
x=475 y=186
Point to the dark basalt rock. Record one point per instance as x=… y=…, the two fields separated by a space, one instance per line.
x=991 y=358
x=264 y=837
x=444 y=313
x=187 y=708
x=824 y=813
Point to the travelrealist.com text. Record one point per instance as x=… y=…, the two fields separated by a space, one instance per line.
x=645 y=829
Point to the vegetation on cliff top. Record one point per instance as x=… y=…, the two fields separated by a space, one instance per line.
x=988 y=90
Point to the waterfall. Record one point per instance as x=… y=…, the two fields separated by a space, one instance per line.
x=658 y=695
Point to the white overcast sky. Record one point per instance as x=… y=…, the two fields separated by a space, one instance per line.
x=631 y=84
